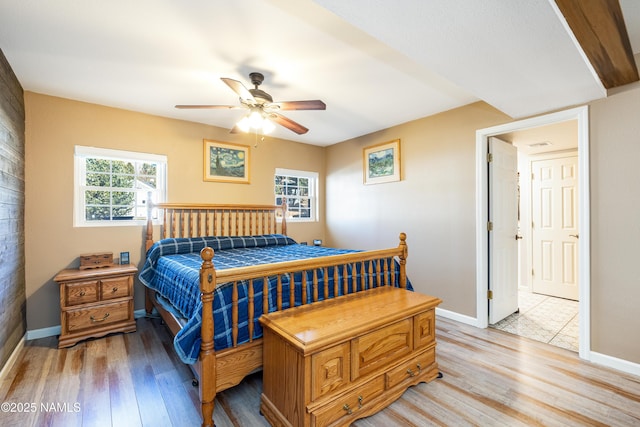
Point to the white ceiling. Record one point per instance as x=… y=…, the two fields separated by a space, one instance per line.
x=375 y=63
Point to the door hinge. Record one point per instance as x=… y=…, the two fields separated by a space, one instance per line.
x=489 y=157
x=489 y=226
x=489 y=294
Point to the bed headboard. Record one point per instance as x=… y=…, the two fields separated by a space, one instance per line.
x=196 y=220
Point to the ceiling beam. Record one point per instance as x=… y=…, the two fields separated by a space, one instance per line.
x=599 y=27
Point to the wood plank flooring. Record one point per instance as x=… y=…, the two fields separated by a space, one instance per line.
x=491 y=378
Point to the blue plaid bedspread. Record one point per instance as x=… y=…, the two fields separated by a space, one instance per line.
x=172 y=269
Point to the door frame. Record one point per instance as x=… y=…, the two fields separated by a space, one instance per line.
x=581 y=114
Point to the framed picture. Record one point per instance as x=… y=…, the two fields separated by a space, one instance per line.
x=226 y=162
x=124 y=258
x=382 y=162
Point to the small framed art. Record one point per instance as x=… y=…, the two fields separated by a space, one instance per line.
x=226 y=162
x=124 y=258
x=382 y=162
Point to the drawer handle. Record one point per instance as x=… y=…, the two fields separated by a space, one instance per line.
x=82 y=293
x=115 y=289
x=360 y=399
x=413 y=374
x=346 y=408
x=93 y=319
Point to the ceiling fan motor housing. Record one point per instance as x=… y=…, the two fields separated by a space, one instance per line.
x=261 y=96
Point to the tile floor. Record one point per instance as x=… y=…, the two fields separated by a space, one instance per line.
x=544 y=318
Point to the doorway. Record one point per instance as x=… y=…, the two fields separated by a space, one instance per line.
x=482 y=239
x=545 y=283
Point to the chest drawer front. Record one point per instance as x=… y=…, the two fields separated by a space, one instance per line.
x=115 y=287
x=330 y=370
x=380 y=347
x=424 y=329
x=412 y=368
x=93 y=317
x=347 y=406
x=80 y=292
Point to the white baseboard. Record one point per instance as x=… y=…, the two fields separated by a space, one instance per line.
x=139 y=313
x=51 y=331
x=35 y=334
x=615 y=363
x=452 y=315
x=12 y=359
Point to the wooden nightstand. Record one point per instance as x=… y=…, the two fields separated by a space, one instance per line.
x=95 y=302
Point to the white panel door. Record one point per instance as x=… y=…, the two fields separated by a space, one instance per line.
x=503 y=215
x=555 y=227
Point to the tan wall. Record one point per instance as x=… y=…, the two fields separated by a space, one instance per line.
x=434 y=203
x=55 y=125
x=615 y=224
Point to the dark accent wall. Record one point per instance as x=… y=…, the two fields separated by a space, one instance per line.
x=12 y=261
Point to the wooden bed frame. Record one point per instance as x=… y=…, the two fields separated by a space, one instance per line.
x=217 y=371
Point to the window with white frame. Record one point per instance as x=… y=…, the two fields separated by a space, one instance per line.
x=112 y=186
x=300 y=188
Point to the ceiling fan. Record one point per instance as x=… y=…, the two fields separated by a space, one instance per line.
x=262 y=110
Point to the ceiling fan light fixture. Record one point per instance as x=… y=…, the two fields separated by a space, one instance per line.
x=256 y=121
x=267 y=126
x=244 y=124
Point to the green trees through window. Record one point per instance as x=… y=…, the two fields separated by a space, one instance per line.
x=115 y=189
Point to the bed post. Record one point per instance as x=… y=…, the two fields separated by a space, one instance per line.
x=284 y=216
x=207 y=352
x=403 y=260
x=149 y=230
x=148 y=304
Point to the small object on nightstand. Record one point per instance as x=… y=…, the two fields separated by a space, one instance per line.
x=95 y=302
x=97 y=260
x=124 y=258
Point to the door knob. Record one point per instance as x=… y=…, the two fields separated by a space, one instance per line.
x=518 y=237
x=577 y=236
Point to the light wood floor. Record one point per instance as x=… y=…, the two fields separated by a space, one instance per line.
x=491 y=378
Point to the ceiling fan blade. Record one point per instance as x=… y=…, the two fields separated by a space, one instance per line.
x=288 y=123
x=217 y=107
x=239 y=88
x=315 y=104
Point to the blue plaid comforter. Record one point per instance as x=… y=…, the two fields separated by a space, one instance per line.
x=172 y=269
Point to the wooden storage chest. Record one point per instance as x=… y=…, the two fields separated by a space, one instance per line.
x=335 y=361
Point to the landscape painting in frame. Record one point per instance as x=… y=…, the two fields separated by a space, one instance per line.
x=226 y=162
x=382 y=163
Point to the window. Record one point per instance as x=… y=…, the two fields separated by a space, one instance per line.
x=300 y=188
x=112 y=186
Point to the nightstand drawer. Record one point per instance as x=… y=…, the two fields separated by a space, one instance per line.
x=92 y=317
x=80 y=292
x=116 y=287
